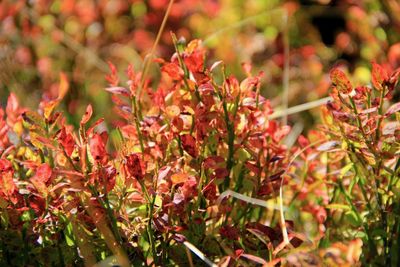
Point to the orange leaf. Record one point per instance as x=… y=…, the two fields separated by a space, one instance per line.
x=8 y=185
x=63 y=87
x=178 y=178
x=49 y=107
x=173 y=70
x=62 y=91
x=340 y=81
x=379 y=76
x=173 y=111
x=88 y=114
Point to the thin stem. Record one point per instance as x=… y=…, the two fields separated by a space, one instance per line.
x=153 y=49
x=285 y=81
x=149 y=228
x=137 y=126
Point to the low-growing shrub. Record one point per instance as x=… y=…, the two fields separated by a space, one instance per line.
x=199 y=174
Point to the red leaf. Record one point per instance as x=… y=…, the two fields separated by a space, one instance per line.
x=88 y=114
x=113 y=77
x=206 y=88
x=163 y=172
x=128 y=131
x=189 y=188
x=118 y=91
x=264 y=230
x=109 y=175
x=379 y=76
x=390 y=128
x=12 y=104
x=133 y=166
x=340 y=81
x=394 y=78
x=210 y=191
x=173 y=70
x=7 y=185
x=369 y=110
x=229 y=232
x=189 y=144
x=276 y=176
x=66 y=141
x=220 y=173
x=212 y=162
x=5 y=166
x=247 y=68
x=43 y=173
x=238 y=253
x=12 y=109
x=91 y=128
x=393 y=109
x=281 y=133
x=194 y=62
x=303 y=141
x=254 y=258
x=42 y=176
x=98 y=147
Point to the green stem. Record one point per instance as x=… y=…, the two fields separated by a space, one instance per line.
x=371 y=245
x=149 y=228
x=137 y=126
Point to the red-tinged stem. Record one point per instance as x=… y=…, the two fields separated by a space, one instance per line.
x=380 y=112
x=137 y=126
x=377 y=174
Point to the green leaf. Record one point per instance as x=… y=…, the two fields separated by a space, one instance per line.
x=143 y=243
x=69 y=235
x=352 y=218
x=33 y=119
x=346 y=168
x=337 y=206
x=26 y=216
x=243 y=154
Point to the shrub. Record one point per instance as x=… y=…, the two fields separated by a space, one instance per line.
x=198 y=167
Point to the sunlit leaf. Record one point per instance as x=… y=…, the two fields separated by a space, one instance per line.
x=340 y=81
x=178 y=178
x=379 y=76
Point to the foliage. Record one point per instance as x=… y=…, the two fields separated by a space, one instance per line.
x=183 y=149
x=188 y=167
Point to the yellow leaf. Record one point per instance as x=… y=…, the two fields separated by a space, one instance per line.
x=173 y=111
x=49 y=107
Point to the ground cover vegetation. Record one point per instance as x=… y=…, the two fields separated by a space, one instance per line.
x=149 y=138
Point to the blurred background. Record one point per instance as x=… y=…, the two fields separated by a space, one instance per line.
x=41 y=38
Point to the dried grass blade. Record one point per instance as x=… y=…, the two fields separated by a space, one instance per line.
x=199 y=254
